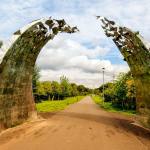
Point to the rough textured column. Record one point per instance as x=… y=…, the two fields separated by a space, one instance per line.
x=136 y=52
x=16 y=98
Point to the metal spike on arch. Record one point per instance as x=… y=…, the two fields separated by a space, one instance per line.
x=16 y=68
x=136 y=51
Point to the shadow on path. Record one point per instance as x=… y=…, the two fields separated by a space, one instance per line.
x=124 y=124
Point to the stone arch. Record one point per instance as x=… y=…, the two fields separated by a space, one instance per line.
x=16 y=99
x=136 y=51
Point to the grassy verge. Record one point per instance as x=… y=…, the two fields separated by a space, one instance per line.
x=108 y=106
x=53 y=106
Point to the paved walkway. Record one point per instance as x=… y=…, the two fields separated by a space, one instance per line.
x=82 y=126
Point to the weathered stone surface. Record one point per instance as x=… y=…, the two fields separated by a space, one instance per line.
x=136 y=52
x=16 y=99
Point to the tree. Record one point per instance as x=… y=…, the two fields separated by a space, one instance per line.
x=120 y=91
x=47 y=88
x=83 y=90
x=109 y=92
x=56 y=90
x=65 y=86
x=40 y=88
x=125 y=92
x=74 y=90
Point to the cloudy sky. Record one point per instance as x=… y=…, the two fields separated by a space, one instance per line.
x=80 y=56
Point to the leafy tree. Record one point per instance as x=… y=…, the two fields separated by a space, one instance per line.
x=40 y=88
x=131 y=92
x=109 y=92
x=121 y=93
x=47 y=88
x=74 y=90
x=65 y=86
x=83 y=90
x=56 y=90
x=125 y=91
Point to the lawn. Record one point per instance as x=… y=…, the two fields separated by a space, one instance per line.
x=53 y=106
x=108 y=106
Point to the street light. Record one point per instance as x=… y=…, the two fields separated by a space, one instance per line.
x=103 y=82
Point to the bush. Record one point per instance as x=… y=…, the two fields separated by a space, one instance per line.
x=109 y=94
x=53 y=90
x=121 y=93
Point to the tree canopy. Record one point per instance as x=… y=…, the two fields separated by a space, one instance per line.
x=53 y=90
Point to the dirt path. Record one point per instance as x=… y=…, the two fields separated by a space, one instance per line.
x=82 y=126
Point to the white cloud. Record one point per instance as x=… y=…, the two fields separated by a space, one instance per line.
x=77 y=62
x=66 y=53
x=78 y=76
x=79 y=56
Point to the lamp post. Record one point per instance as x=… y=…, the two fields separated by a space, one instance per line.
x=113 y=78
x=103 y=82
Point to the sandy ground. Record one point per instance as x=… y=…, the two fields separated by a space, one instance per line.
x=82 y=126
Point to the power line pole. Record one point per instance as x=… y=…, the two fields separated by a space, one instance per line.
x=103 y=82
x=113 y=78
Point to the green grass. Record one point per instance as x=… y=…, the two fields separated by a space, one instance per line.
x=53 y=106
x=108 y=106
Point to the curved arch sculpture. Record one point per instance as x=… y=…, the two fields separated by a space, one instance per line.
x=16 y=99
x=136 y=52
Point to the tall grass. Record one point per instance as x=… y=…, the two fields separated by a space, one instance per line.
x=53 y=106
x=109 y=107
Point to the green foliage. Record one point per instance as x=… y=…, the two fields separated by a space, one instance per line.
x=47 y=87
x=65 y=86
x=109 y=107
x=120 y=90
x=74 y=89
x=56 y=90
x=124 y=90
x=121 y=93
x=83 y=90
x=52 y=106
x=109 y=93
x=40 y=88
x=53 y=90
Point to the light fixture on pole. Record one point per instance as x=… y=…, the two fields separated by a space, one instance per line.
x=103 y=81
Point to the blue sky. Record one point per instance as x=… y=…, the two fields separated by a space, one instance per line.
x=87 y=51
